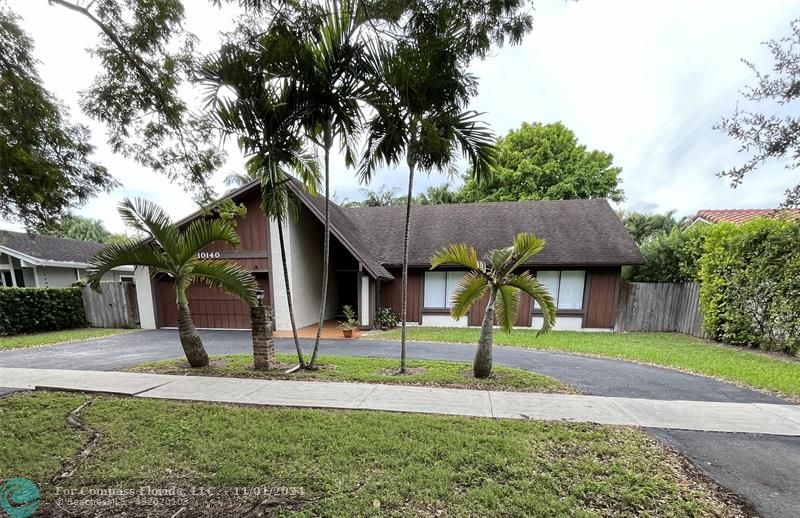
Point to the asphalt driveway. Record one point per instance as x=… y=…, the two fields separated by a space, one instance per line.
x=760 y=468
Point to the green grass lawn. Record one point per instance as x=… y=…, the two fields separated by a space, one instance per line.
x=340 y=463
x=368 y=370
x=55 y=337
x=674 y=350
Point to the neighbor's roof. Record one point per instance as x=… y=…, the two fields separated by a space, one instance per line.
x=576 y=232
x=742 y=215
x=48 y=249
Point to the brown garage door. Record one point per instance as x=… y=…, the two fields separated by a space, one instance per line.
x=210 y=307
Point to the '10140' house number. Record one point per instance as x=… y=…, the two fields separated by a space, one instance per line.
x=208 y=255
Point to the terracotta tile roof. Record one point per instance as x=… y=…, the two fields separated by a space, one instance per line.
x=742 y=215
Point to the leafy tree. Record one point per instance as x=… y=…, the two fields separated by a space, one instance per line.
x=45 y=164
x=147 y=57
x=672 y=256
x=172 y=251
x=770 y=135
x=383 y=196
x=265 y=117
x=436 y=195
x=644 y=227
x=74 y=226
x=546 y=162
x=496 y=275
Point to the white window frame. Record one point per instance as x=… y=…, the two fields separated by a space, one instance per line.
x=451 y=280
x=557 y=296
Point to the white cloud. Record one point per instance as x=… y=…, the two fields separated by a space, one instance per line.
x=642 y=80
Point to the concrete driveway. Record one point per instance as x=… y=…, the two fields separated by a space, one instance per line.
x=759 y=468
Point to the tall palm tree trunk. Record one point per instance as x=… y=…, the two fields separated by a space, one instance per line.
x=326 y=245
x=285 y=265
x=404 y=285
x=190 y=340
x=482 y=366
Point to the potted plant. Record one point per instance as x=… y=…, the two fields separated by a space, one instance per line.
x=386 y=318
x=350 y=323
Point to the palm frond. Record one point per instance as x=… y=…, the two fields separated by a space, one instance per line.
x=477 y=143
x=525 y=245
x=506 y=306
x=227 y=276
x=125 y=253
x=203 y=232
x=470 y=289
x=530 y=285
x=459 y=254
x=148 y=217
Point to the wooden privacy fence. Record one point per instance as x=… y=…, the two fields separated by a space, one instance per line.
x=113 y=306
x=660 y=306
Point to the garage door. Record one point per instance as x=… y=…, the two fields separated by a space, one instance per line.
x=210 y=307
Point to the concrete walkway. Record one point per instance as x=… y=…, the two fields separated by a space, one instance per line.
x=760 y=418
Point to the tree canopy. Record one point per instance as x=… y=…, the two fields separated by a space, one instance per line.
x=546 y=162
x=644 y=227
x=45 y=160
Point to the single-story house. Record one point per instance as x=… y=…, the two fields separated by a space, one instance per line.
x=586 y=247
x=737 y=216
x=48 y=262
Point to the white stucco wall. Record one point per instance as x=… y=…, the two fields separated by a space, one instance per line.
x=144 y=297
x=563 y=323
x=303 y=239
x=52 y=277
x=443 y=320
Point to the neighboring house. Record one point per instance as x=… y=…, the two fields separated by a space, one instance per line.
x=737 y=216
x=586 y=247
x=48 y=262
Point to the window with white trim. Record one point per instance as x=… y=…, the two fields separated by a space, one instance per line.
x=565 y=286
x=439 y=289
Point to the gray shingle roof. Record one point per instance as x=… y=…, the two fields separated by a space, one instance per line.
x=50 y=248
x=576 y=232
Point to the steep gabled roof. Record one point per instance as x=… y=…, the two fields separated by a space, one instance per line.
x=576 y=232
x=48 y=248
x=742 y=215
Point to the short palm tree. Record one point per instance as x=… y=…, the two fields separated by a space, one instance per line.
x=498 y=275
x=170 y=250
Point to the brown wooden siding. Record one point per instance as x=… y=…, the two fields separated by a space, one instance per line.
x=210 y=307
x=601 y=297
x=391 y=293
x=253 y=230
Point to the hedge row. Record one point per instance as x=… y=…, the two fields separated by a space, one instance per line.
x=750 y=275
x=27 y=310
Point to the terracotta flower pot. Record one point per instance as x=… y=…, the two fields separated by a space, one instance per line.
x=348 y=333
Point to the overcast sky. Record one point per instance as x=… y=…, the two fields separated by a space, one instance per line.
x=644 y=81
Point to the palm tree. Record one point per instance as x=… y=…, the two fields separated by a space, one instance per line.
x=437 y=194
x=169 y=250
x=325 y=70
x=418 y=92
x=265 y=115
x=497 y=275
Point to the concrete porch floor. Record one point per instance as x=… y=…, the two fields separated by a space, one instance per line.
x=330 y=331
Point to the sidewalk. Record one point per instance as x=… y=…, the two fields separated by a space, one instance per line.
x=680 y=415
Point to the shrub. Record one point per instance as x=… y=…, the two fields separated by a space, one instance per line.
x=26 y=310
x=750 y=292
x=386 y=318
x=670 y=257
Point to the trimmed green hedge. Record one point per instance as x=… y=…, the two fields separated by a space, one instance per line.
x=28 y=310
x=750 y=276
